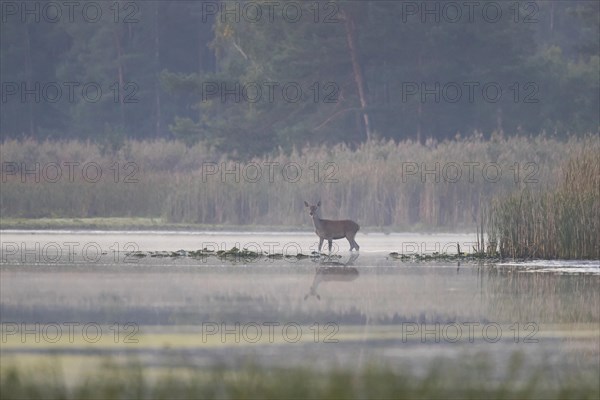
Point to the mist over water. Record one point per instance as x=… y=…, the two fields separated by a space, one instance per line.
x=353 y=307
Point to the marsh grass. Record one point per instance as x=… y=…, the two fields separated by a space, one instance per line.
x=560 y=222
x=371 y=183
x=474 y=378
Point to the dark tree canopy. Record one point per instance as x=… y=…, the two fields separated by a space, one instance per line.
x=247 y=78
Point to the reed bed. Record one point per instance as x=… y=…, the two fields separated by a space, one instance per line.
x=561 y=222
x=384 y=185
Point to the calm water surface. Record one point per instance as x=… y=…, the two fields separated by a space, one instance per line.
x=82 y=294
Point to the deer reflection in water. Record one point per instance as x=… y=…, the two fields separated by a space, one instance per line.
x=333 y=271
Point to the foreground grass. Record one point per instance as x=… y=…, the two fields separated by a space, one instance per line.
x=472 y=379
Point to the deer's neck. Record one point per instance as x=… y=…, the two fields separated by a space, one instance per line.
x=317 y=222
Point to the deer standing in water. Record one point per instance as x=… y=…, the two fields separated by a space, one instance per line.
x=330 y=230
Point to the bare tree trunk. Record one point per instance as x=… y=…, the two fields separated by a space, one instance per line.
x=119 y=48
x=29 y=71
x=356 y=67
x=551 y=16
x=419 y=106
x=157 y=68
x=419 y=118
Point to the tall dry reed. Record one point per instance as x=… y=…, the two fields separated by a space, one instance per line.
x=561 y=222
x=381 y=184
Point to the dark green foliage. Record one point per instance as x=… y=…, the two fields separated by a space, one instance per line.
x=152 y=62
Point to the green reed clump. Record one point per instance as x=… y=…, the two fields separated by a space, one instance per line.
x=561 y=222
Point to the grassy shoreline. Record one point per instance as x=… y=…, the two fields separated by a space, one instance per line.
x=159 y=224
x=124 y=223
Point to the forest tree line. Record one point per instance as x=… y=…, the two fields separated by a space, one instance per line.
x=249 y=78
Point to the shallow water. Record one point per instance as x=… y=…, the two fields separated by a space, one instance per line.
x=84 y=294
x=110 y=241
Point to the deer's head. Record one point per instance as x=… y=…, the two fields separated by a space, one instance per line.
x=313 y=210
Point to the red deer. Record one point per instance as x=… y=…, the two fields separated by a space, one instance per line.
x=330 y=230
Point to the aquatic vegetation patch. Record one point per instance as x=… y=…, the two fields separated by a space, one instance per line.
x=434 y=257
x=234 y=255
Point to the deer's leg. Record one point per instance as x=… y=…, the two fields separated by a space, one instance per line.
x=320 y=243
x=350 y=241
x=356 y=246
x=353 y=244
x=330 y=243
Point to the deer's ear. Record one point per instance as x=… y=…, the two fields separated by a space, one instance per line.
x=305 y=204
x=319 y=203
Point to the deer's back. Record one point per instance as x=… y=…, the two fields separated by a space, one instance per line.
x=337 y=229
